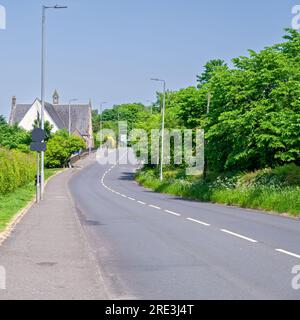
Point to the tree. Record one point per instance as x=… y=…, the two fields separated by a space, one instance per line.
x=254 y=120
x=60 y=147
x=209 y=69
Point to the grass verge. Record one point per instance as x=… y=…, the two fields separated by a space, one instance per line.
x=12 y=203
x=282 y=199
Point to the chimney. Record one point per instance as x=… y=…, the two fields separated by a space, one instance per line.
x=14 y=102
x=13 y=108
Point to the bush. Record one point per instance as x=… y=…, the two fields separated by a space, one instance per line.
x=275 y=190
x=60 y=147
x=288 y=175
x=13 y=137
x=16 y=169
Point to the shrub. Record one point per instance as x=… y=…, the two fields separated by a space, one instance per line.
x=60 y=147
x=268 y=189
x=16 y=169
x=288 y=175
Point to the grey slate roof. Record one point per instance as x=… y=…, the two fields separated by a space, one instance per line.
x=52 y=111
x=20 y=112
x=80 y=116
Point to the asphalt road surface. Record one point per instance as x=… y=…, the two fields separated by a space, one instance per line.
x=155 y=246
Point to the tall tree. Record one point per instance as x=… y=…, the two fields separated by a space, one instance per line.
x=209 y=68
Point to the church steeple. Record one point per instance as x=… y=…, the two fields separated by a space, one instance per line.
x=55 y=97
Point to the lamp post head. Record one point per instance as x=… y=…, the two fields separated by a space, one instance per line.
x=55 y=7
x=60 y=7
x=156 y=79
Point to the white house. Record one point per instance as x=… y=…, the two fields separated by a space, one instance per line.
x=58 y=115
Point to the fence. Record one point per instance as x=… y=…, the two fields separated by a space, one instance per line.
x=83 y=154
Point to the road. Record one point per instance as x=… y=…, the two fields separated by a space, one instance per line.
x=155 y=246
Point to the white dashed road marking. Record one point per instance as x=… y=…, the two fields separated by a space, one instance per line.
x=154 y=207
x=239 y=236
x=173 y=213
x=199 y=222
x=288 y=253
x=189 y=219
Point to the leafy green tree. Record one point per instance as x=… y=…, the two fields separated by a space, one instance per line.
x=60 y=147
x=254 y=118
x=188 y=105
x=209 y=69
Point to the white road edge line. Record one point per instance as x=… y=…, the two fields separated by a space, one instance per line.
x=173 y=213
x=155 y=207
x=131 y=199
x=141 y=202
x=239 y=236
x=199 y=222
x=288 y=253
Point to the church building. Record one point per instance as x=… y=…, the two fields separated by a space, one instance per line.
x=76 y=118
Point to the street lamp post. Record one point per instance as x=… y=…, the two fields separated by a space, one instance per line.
x=70 y=118
x=162 y=128
x=43 y=88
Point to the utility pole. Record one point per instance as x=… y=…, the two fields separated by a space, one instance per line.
x=38 y=178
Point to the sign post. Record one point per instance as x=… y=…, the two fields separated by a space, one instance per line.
x=37 y=145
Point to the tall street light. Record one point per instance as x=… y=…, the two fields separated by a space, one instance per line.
x=43 y=87
x=70 y=118
x=162 y=128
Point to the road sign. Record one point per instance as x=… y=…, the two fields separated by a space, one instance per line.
x=38 y=135
x=38 y=146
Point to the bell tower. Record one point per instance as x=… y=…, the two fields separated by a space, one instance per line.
x=55 y=97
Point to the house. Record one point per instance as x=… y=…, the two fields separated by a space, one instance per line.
x=77 y=118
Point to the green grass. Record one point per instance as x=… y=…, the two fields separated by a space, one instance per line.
x=12 y=203
x=264 y=190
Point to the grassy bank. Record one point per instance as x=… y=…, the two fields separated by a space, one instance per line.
x=11 y=203
x=276 y=190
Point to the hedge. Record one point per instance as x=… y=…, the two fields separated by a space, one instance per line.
x=16 y=169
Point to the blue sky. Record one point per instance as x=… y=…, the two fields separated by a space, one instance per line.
x=108 y=50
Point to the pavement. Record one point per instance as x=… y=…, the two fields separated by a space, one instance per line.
x=118 y=240
x=47 y=256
